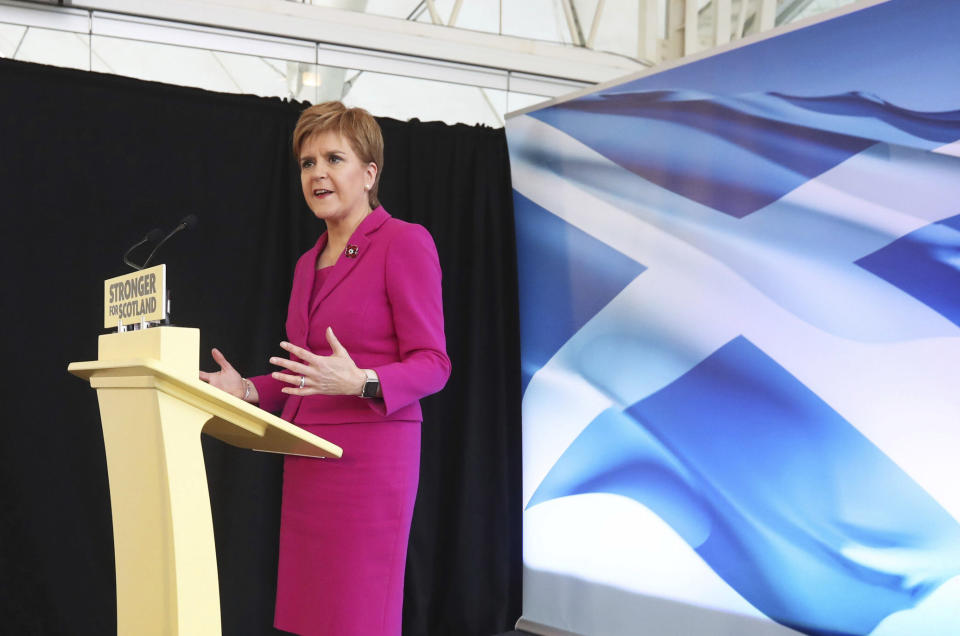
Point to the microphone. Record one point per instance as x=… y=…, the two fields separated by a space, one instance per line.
x=152 y=235
x=189 y=222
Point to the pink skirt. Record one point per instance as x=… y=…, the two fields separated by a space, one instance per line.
x=344 y=529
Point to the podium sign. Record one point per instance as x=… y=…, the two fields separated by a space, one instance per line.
x=141 y=295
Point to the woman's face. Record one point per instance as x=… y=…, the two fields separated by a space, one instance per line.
x=335 y=181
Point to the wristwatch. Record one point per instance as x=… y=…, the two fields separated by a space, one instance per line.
x=372 y=386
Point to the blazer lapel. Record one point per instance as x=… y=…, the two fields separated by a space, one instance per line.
x=355 y=251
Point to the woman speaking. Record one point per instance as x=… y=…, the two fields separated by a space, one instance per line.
x=365 y=338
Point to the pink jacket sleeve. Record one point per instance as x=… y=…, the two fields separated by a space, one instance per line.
x=413 y=289
x=271 y=398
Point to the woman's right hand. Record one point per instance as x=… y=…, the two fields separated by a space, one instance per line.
x=227 y=378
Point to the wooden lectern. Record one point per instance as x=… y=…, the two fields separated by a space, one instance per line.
x=153 y=408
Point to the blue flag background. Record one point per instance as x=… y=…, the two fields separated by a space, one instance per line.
x=740 y=311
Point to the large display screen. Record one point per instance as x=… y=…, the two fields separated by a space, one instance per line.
x=740 y=315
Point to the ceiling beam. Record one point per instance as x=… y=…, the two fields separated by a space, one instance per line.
x=379 y=33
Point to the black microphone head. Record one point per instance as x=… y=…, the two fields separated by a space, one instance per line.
x=189 y=222
x=154 y=235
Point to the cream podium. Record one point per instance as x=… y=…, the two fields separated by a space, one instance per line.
x=153 y=409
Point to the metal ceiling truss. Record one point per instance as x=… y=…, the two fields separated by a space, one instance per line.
x=378 y=36
x=666 y=30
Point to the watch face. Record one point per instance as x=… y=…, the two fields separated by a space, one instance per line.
x=370 y=388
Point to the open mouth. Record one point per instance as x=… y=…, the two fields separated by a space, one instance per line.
x=322 y=192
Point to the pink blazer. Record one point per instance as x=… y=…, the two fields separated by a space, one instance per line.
x=384 y=303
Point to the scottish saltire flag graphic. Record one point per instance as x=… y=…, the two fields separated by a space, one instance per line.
x=740 y=327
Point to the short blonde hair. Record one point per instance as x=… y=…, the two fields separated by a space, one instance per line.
x=355 y=125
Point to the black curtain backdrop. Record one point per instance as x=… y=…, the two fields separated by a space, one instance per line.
x=88 y=164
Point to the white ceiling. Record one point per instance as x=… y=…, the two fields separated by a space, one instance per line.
x=36 y=33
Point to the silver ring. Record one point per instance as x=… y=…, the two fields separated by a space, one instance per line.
x=302 y=380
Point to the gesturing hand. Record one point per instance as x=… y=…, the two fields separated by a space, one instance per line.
x=335 y=374
x=226 y=379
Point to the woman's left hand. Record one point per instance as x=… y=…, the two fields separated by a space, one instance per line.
x=335 y=374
